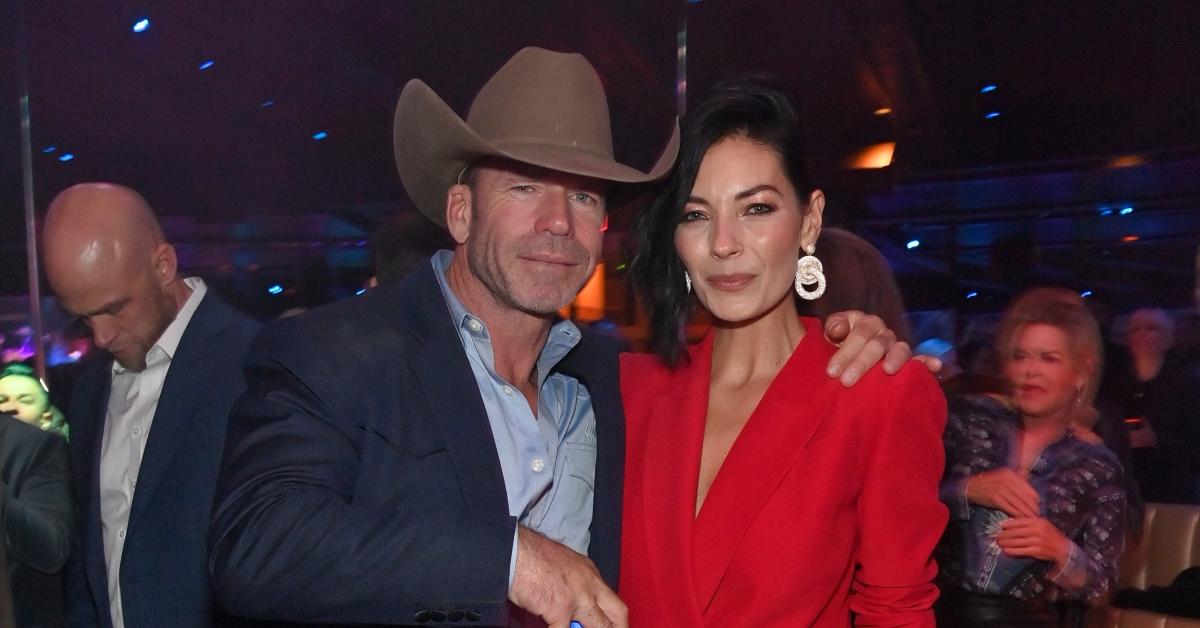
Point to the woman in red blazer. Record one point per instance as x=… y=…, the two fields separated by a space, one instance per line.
x=760 y=492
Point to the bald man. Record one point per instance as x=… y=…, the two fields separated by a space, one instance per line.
x=148 y=421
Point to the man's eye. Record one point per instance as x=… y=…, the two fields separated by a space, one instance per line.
x=523 y=188
x=582 y=197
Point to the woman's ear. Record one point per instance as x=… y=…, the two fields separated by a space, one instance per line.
x=811 y=228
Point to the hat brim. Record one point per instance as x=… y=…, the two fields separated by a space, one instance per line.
x=433 y=145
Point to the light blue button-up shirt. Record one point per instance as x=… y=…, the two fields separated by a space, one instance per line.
x=548 y=461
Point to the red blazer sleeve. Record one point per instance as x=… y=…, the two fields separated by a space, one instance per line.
x=901 y=518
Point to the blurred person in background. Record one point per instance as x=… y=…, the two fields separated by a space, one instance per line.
x=35 y=502
x=1159 y=398
x=24 y=396
x=1037 y=511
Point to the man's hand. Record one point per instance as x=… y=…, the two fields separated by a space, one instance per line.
x=1003 y=489
x=862 y=341
x=1034 y=537
x=559 y=585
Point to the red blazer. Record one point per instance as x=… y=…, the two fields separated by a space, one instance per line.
x=827 y=504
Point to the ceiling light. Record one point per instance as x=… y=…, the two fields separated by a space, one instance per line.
x=206 y=64
x=49 y=149
x=141 y=25
x=1106 y=211
x=1131 y=238
x=275 y=289
x=66 y=157
x=912 y=244
x=267 y=103
x=990 y=87
x=320 y=135
x=1085 y=294
x=1125 y=211
x=883 y=111
x=972 y=294
x=874 y=156
x=991 y=115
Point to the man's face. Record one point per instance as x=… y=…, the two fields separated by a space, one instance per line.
x=23 y=397
x=127 y=309
x=535 y=235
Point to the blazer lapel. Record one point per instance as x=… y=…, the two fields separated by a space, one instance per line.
x=676 y=432
x=449 y=385
x=177 y=400
x=772 y=441
x=87 y=433
x=596 y=368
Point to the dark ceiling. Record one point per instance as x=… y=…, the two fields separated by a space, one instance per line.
x=253 y=197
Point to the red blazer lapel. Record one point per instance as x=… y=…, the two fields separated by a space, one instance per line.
x=676 y=433
x=772 y=441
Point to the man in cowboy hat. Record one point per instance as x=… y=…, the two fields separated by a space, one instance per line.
x=447 y=449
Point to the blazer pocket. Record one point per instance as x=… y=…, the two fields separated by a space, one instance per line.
x=414 y=443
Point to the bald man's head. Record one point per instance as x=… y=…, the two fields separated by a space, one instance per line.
x=108 y=262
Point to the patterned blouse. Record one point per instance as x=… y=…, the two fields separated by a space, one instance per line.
x=1079 y=486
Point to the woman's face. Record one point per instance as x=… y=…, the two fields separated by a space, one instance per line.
x=1149 y=333
x=742 y=230
x=23 y=397
x=1045 y=377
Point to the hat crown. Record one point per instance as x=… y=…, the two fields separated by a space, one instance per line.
x=544 y=97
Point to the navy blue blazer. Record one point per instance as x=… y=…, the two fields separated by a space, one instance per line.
x=361 y=483
x=164 y=581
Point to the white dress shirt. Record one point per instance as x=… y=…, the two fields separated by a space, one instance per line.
x=131 y=406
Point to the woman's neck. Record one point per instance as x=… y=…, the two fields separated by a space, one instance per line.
x=750 y=350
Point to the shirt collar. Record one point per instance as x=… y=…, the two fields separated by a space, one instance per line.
x=564 y=335
x=168 y=342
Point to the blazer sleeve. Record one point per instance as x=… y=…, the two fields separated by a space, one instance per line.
x=900 y=516
x=290 y=542
x=38 y=507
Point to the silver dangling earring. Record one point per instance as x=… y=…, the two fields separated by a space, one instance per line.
x=808 y=272
x=687 y=281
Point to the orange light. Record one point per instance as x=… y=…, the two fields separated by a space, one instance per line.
x=883 y=111
x=1125 y=161
x=874 y=156
x=1131 y=238
x=589 y=305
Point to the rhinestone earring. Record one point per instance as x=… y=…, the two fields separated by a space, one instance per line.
x=687 y=281
x=809 y=271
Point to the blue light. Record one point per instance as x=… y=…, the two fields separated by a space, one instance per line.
x=912 y=244
x=1085 y=294
x=1125 y=211
x=267 y=103
x=1105 y=211
x=141 y=25
x=49 y=149
x=208 y=63
x=66 y=157
x=972 y=294
x=992 y=115
x=320 y=135
x=990 y=87
x=360 y=291
x=275 y=289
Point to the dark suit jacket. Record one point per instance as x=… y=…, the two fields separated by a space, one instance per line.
x=36 y=503
x=361 y=482
x=164 y=581
x=826 y=504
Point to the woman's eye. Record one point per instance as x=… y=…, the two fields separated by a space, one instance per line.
x=691 y=216
x=759 y=208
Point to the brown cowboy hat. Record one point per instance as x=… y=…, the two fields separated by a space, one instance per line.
x=542 y=108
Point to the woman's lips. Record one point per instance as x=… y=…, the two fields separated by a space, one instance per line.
x=730 y=283
x=1028 y=388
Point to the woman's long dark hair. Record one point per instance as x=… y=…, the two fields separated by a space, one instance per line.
x=754 y=107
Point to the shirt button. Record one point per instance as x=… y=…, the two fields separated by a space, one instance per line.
x=121 y=533
x=137 y=431
x=474 y=326
x=537 y=465
x=508 y=390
